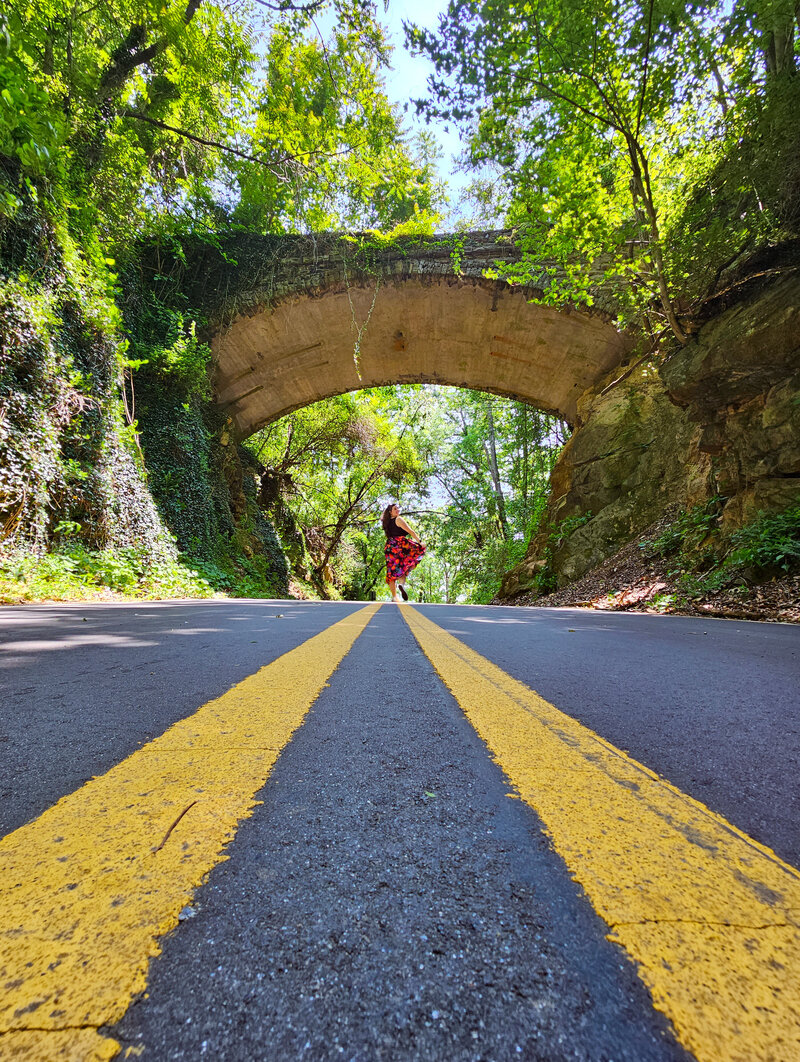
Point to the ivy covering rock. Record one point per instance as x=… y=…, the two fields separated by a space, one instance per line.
x=126 y=129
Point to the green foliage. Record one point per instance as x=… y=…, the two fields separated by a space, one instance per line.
x=457 y=254
x=491 y=459
x=325 y=470
x=705 y=561
x=104 y=102
x=331 y=468
x=545 y=580
x=203 y=493
x=30 y=129
x=65 y=457
x=565 y=528
x=687 y=532
x=240 y=576
x=641 y=146
x=135 y=119
x=74 y=573
x=177 y=448
x=771 y=542
x=184 y=363
x=332 y=152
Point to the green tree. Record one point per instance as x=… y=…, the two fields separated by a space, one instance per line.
x=126 y=126
x=127 y=102
x=332 y=464
x=492 y=466
x=603 y=121
x=148 y=117
x=335 y=152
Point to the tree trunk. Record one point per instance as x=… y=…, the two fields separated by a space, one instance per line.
x=491 y=454
x=641 y=185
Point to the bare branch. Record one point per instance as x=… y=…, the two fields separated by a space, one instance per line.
x=325 y=55
x=646 y=66
x=285 y=5
x=201 y=140
x=235 y=151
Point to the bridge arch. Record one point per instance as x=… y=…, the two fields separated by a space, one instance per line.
x=295 y=316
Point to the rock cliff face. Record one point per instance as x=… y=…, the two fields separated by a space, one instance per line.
x=719 y=417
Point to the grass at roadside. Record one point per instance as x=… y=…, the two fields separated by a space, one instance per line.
x=77 y=574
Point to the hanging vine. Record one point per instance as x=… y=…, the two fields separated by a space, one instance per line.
x=359 y=330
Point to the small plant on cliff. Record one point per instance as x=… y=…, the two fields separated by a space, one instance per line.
x=545 y=579
x=457 y=255
x=565 y=528
x=687 y=532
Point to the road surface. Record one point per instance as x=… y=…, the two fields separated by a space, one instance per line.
x=278 y=830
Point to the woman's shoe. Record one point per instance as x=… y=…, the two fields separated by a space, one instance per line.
x=402 y=590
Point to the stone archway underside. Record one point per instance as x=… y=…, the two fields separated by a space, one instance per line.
x=471 y=332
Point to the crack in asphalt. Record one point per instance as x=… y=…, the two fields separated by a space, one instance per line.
x=387 y=902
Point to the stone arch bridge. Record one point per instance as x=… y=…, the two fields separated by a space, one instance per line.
x=294 y=319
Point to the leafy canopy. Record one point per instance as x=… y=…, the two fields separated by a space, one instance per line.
x=601 y=127
x=145 y=117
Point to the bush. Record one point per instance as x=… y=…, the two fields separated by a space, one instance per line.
x=768 y=545
x=687 y=532
x=770 y=542
x=75 y=573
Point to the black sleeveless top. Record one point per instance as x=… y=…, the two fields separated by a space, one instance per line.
x=393 y=531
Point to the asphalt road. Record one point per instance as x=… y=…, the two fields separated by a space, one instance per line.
x=712 y=705
x=84 y=686
x=386 y=900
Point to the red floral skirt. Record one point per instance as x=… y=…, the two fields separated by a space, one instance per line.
x=402 y=555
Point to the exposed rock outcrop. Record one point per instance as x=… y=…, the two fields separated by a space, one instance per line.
x=719 y=417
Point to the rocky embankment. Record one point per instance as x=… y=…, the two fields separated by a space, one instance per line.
x=719 y=418
x=632 y=580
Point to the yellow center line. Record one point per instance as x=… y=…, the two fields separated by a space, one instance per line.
x=87 y=888
x=711 y=917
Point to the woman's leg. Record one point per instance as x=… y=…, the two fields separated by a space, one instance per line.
x=392 y=584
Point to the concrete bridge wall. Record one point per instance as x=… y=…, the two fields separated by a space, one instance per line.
x=297 y=319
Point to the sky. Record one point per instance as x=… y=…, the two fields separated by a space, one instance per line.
x=408 y=79
x=409 y=76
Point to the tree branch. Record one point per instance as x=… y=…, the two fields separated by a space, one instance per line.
x=202 y=140
x=125 y=59
x=646 y=67
x=285 y=5
x=232 y=150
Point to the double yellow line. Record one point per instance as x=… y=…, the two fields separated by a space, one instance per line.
x=710 y=916
x=87 y=889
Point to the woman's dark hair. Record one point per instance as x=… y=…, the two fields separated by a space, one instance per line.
x=386 y=519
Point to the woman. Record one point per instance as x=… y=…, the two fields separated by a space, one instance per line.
x=403 y=550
